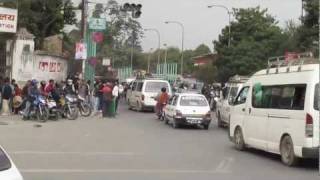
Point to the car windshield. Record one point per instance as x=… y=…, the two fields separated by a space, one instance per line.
x=156 y=86
x=193 y=101
x=4 y=161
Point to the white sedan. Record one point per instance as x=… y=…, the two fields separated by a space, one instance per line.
x=8 y=171
x=188 y=109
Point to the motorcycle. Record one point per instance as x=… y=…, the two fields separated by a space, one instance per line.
x=161 y=114
x=68 y=107
x=84 y=107
x=213 y=100
x=53 y=109
x=39 y=109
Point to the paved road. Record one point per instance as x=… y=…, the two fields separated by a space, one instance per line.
x=135 y=146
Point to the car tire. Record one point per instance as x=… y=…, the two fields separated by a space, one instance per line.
x=220 y=124
x=175 y=125
x=140 y=107
x=287 y=152
x=238 y=139
x=206 y=126
x=166 y=120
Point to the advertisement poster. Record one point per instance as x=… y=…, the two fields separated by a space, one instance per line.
x=81 y=51
x=8 y=20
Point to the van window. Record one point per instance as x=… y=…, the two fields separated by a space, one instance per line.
x=225 y=92
x=242 y=96
x=139 y=86
x=233 y=92
x=316 y=95
x=193 y=101
x=156 y=86
x=280 y=97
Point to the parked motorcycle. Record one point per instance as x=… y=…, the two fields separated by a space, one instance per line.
x=39 y=109
x=84 y=107
x=54 y=112
x=68 y=107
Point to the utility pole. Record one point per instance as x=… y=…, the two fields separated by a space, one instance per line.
x=83 y=30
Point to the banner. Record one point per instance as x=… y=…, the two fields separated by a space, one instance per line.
x=8 y=20
x=81 y=51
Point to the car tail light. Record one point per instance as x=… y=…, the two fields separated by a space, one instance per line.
x=309 y=125
x=142 y=97
x=178 y=114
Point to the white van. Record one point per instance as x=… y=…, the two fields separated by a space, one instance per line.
x=277 y=111
x=144 y=91
x=228 y=94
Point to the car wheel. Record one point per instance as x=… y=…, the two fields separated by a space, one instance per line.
x=166 y=120
x=175 y=125
x=287 y=152
x=139 y=108
x=238 y=139
x=220 y=124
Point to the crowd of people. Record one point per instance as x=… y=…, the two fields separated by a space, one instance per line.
x=100 y=95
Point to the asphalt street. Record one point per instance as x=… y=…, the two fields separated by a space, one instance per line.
x=135 y=146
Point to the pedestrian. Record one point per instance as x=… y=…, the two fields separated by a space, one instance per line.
x=33 y=92
x=83 y=89
x=107 y=99
x=115 y=93
x=97 y=93
x=121 y=91
x=6 y=96
x=17 y=99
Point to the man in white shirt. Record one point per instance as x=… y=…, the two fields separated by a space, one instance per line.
x=115 y=94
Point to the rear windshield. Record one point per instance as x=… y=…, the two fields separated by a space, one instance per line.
x=156 y=86
x=193 y=101
x=4 y=161
x=316 y=93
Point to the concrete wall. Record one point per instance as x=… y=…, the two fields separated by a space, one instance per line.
x=28 y=64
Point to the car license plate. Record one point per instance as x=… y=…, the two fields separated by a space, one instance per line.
x=194 y=120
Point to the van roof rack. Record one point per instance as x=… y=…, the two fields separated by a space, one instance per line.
x=298 y=59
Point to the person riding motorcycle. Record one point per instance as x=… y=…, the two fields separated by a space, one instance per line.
x=162 y=101
x=33 y=92
x=69 y=88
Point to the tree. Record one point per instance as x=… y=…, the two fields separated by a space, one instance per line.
x=255 y=37
x=44 y=17
x=308 y=33
x=122 y=33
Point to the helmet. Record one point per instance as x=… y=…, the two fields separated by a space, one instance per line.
x=34 y=82
x=163 y=89
x=69 y=81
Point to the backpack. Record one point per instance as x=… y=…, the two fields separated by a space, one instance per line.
x=6 y=92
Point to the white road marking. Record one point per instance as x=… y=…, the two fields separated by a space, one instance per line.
x=145 y=171
x=72 y=153
x=225 y=165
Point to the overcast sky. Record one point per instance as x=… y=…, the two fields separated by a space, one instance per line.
x=202 y=25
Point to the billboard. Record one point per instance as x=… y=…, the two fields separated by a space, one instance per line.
x=8 y=20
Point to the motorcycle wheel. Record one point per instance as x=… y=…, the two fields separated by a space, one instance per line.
x=85 y=110
x=73 y=114
x=44 y=115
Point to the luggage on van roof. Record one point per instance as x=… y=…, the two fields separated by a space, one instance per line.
x=238 y=79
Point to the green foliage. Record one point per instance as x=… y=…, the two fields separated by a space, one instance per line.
x=255 y=37
x=44 y=17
